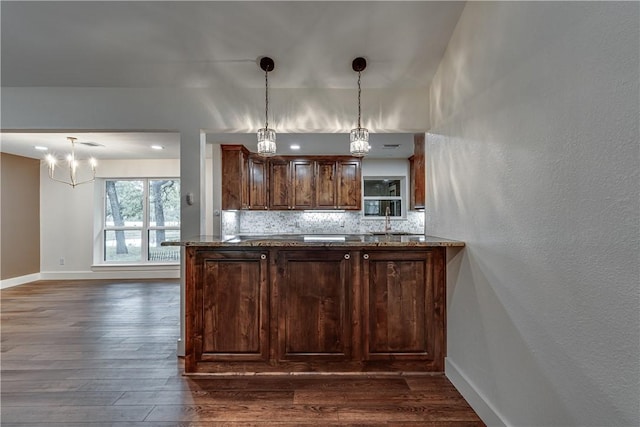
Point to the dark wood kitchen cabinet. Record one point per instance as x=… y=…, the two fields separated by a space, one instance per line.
x=315 y=183
x=349 y=186
x=417 y=184
x=291 y=184
x=308 y=308
x=326 y=194
x=258 y=178
x=235 y=177
x=229 y=310
x=279 y=184
x=404 y=306
x=250 y=181
x=303 y=184
x=313 y=305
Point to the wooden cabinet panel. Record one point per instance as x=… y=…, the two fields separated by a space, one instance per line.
x=326 y=184
x=403 y=306
x=349 y=184
x=313 y=289
x=258 y=175
x=315 y=309
x=235 y=178
x=417 y=174
x=302 y=174
x=279 y=195
x=284 y=183
x=232 y=311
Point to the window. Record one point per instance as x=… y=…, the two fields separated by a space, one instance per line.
x=381 y=193
x=139 y=214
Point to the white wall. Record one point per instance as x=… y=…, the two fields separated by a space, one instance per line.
x=533 y=161
x=67 y=225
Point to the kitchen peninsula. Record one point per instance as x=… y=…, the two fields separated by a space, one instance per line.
x=315 y=303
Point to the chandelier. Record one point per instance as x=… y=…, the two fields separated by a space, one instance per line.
x=71 y=174
x=359 y=137
x=266 y=136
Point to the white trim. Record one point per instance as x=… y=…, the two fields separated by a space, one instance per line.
x=136 y=267
x=113 y=273
x=20 y=280
x=472 y=395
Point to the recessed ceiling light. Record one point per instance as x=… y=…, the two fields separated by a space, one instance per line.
x=294 y=146
x=40 y=148
x=157 y=147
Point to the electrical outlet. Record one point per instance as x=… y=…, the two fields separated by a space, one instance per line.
x=61 y=261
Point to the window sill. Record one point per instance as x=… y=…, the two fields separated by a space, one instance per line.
x=136 y=267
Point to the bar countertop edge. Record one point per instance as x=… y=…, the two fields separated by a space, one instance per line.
x=317 y=240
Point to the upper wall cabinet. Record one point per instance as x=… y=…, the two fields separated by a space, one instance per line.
x=417 y=174
x=289 y=183
x=235 y=177
x=244 y=178
x=349 y=186
x=314 y=182
x=258 y=178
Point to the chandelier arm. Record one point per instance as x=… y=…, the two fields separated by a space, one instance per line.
x=87 y=181
x=72 y=183
x=62 y=181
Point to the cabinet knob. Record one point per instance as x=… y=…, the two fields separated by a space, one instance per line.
x=347 y=256
x=365 y=256
x=263 y=256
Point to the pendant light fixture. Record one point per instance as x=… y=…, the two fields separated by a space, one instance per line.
x=359 y=136
x=73 y=164
x=266 y=136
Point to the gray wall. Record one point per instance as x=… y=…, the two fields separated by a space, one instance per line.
x=533 y=161
x=20 y=216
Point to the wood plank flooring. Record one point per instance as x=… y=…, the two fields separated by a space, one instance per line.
x=103 y=353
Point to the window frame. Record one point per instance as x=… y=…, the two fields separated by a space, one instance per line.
x=144 y=229
x=402 y=197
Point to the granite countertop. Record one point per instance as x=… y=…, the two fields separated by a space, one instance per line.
x=317 y=240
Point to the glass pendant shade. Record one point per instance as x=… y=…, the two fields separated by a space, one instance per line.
x=266 y=142
x=360 y=142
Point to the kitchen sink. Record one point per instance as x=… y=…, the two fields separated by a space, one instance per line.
x=298 y=237
x=392 y=233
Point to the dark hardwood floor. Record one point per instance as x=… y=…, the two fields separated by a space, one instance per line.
x=103 y=353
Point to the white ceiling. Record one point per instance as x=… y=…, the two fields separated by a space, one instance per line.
x=218 y=44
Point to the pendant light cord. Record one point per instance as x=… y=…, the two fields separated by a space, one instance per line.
x=359 y=100
x=266 y=99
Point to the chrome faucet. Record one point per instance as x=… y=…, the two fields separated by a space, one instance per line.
x=387 y=220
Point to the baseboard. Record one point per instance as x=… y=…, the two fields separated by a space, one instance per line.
x=20 y=280
x=112 y=274
x=472 y=395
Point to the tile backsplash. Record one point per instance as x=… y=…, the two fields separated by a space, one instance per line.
x=275 y=222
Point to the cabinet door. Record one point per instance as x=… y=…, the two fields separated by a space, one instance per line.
x=417 y=174
x=279 y=195
x=326 y=184
x=349 y=185
x=404 y=306
x=313 y=299
x=302 y=175
x=231 y=306
x=258 y=173
x=235 y=178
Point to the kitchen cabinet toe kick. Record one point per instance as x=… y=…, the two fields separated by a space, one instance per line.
x=314 y=309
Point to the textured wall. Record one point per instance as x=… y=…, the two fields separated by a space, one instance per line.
x=20 y=226
x=533 y=161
